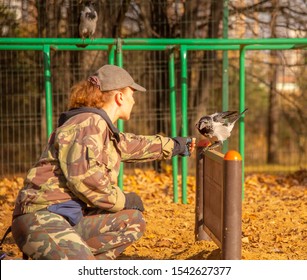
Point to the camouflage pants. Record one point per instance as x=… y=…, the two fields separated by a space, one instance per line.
x=99 y=235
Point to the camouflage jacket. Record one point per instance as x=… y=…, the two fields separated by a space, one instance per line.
x=82 y=160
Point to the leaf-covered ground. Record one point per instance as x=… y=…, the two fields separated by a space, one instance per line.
x=274 y=218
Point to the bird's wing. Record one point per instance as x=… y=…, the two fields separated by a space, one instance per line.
x=233 y=118
x=223 y=116
x=221 y=132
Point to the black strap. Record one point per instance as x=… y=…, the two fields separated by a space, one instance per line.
x=76 y=111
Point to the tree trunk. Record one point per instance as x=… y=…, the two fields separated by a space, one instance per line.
x=273 y=112
x=209 y=59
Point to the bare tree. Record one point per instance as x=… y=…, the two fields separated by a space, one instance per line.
x=274 y=18
x=205 y=20
x=273 y=116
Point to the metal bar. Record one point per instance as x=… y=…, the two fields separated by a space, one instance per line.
x=232 y=207
x=241 y=108
x=111 y=54
x=210 y=47
x=268 y=47
x=136 y=41
x=120 y=123
x=21 y=47
x=57 y=41
x=225 y=74
x=237 y=47
x=106 y=47
x=125 y=47
x=296 y=42
x=184 y=117
x=146 y=47
x=48 y=91
x=172 y=85
x=80 y=48
x=154 y=47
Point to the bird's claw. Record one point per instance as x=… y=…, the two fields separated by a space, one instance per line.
x=204 y=150
x=212 y=146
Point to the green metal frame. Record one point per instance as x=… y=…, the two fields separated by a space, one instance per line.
x=225 y=74
x=115 y=48
x=172 y=87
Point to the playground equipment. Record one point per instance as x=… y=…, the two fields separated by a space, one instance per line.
x=115 y=49
x=219 y=200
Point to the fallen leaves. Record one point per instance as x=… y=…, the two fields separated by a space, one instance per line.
x=274 y=218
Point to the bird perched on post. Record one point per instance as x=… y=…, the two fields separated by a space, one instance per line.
x=218 y=125
x=88 y=20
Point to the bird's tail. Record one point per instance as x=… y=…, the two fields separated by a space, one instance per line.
x=243 y=111
x=238 y=116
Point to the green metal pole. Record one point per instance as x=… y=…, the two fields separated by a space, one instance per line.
x=48 y=92
x=184 y=116
x=172 y=86
x=241 y=108
x=111 y=54
x=298 y=42
x=225 y=78
x=120 y=123
x=152 y=44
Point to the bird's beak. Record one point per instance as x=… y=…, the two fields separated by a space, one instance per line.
x=202 y=125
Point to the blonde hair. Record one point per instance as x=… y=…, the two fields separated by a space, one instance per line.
x=85 y=94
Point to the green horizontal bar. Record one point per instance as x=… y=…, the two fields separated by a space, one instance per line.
x=21 y=47
x=271 y=47
x=215 y=48
x=57 y=41
x=149 y=48
x=218 y=41
x=246 y=47
x=146 y=47
x=79 y=48
x=141 y=41
x=300 y=46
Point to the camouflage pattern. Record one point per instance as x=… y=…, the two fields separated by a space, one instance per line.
x=82 y=160
x=99 y=235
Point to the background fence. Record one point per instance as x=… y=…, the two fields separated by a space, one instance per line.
x=275 y=84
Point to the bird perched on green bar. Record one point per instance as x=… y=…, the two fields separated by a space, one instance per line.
x=88 y=20
x=218 y=125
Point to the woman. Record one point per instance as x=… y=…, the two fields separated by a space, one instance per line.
x=70 y=206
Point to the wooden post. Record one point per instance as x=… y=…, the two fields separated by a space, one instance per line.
x=200 y=233
x=232 y=206
x=218 y=212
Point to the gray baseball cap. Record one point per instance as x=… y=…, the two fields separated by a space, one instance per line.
x=111 y=77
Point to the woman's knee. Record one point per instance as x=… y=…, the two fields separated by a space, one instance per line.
x=137 y=223
x=136 y=219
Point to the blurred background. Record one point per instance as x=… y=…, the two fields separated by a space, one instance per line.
x=276 y=131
